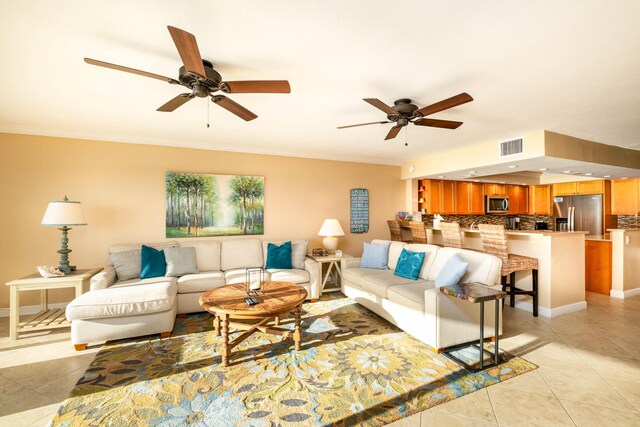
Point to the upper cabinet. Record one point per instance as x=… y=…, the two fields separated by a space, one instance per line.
x=495 y=190
x=581 y=187
x=518 y=199
x=625 y=196
x=436 y=196
x=469 y=198
x=448 y=202
x=540 y=200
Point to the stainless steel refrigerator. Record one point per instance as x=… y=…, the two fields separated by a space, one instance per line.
x=578 y=213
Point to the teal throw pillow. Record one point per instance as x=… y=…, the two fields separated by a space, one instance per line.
x=153 y=263
x=279 y=256
x=409 y=264
x=452 y=271
x=375 y=255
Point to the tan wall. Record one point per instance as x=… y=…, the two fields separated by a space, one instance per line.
x=122 y=189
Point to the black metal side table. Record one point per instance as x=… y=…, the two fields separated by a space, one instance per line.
x=476 y=293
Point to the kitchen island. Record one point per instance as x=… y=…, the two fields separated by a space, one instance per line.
x=561 y=262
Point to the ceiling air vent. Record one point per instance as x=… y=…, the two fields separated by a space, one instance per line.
x=509 y=148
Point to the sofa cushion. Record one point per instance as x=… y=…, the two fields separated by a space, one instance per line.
x=298 y=252
x=126 y=263
x=379 y=283
x=375 y=255
x=279 y=256
x=201 y=282
x=152 y=263
x=289 y=276
x=181 y=261
x=409 y=264
x=451 y=272
x=207 y=253
x=123 y=301
x=411 y=295
x=241 y=253
x=395 y=248
x=358 y=276
x=137 y=281
x=131 y=246
x=234 y=276
x=483 y=268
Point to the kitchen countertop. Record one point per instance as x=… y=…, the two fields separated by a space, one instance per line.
x=599 y=237
x=525 y=232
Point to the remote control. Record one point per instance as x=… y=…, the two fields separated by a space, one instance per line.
x=251 y=301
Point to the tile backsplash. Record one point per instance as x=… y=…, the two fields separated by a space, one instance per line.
x=527 y=222
x=628 y=221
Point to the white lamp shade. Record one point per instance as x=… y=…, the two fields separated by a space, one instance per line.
x=331 y=227
x=64 y=212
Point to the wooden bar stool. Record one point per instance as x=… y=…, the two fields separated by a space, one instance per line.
x=451 y=235
x=395 y=230
x=494 y=241
x=418 y=231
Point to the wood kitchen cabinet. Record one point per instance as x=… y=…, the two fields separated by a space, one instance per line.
x=598 y=266
x=590 y=187
x=580 y=187
x=436 y=196
x=469 y=198
x=518 y=199
x=565 y=189
x=625 y=196
x=494 y=190
x=448 y=203
x=540 y=200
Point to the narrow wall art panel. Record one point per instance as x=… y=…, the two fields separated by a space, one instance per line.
x=359 y=210
x=200 y=205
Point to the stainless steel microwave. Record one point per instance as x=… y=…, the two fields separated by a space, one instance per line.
x=496 y=204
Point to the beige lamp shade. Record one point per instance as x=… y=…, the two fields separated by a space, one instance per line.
x=64 y=213
x=330 y=228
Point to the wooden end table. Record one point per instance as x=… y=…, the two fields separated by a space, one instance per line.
x=46 y=318
x=476 y=293
x=334 y=270
x=275 y=299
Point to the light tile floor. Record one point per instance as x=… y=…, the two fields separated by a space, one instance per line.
x=589 y=373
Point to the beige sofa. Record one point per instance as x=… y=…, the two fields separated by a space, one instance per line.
x=115 y=309
x=417 y=306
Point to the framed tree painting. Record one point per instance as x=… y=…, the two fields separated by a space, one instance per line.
x=200 y=205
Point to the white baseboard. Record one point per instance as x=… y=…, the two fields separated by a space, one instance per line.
x=552 y=312
x=30 y=309
x=624 y=294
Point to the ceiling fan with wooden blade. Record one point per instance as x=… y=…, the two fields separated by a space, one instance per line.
x=404 y=112
x=198 y=75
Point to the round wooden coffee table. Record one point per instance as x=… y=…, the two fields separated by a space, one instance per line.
x=275 y=299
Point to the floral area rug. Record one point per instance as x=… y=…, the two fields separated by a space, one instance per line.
x=354 y=369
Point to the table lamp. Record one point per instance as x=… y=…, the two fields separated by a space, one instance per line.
x=330 y=228
x=64 y=213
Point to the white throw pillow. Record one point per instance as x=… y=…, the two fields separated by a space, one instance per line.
x=180 y=261
x=127 y=263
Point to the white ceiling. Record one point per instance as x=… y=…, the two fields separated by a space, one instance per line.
x=569 y=66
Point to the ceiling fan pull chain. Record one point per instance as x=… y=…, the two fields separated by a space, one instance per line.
x=208 y=115
x=406 y=144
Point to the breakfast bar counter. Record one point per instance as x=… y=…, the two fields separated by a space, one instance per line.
x=561 y=260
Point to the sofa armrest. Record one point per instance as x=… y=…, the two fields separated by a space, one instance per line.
x=350 y=263
x=104 y=279
x=457 y=321
x=315 y=281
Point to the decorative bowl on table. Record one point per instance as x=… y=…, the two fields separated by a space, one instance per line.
x=47 y=271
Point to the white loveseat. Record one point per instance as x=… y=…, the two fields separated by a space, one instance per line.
x=116 y=309
x=416 y=306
